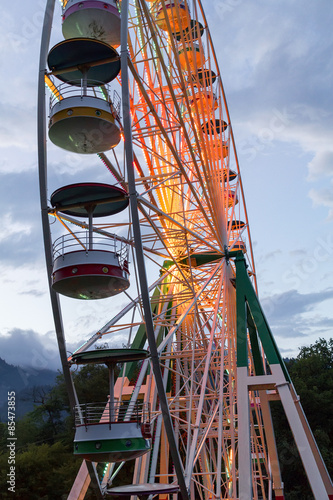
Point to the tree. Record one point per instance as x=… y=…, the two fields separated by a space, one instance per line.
x=312 y=375
x=92 y=383
x=45 y=465
x=42 y=472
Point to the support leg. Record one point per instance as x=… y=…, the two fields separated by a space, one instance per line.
x=244 y=437
x=271 y=446
x=302 y=442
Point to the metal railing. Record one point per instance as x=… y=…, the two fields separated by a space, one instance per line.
x=96 y=89
x=75 y=242
x=101 y=413
x=64 y=3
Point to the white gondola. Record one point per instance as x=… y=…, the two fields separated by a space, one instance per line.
x=116 y=431
x=92 y=19
x=84 y=124
x=83 y=118
x=88 y=264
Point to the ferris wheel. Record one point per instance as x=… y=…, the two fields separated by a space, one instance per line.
x=196 y=420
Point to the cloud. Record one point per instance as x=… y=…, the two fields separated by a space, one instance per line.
x=323 y=197
x=33 y=293
x=12 y=228
x=292 y=303
x=30 y=349
x=321 y=165
x=27 y=348
x=279 y=85
x=21 y=235
x=288 y=313
x=22 y=137
x=272 y=255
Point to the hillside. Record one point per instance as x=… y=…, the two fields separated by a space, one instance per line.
x=22 y=381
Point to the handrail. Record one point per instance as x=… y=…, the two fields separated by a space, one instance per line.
x=79 y=241
x=74 y=88
x=95 y=413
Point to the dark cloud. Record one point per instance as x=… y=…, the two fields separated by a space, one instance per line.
x=21 y=238
x=29 y=348
x=21 y=249
x=293 y=303
x=285 y=313
x=287 y=332
x=281 y=51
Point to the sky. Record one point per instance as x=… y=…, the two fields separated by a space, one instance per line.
x=276 y=61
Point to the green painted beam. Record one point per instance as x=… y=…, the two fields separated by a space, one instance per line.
x=242 y=354
x=141 y=336
x=245 y=293
x=196 y=259
x=257 y=357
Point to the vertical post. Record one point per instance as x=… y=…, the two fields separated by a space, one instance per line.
x=243 y=404
x=111 y=392
x=84 y=80
x=140 y=256
x=301 y=440
x=244 y=436
x=90 y=228
x=271 y=444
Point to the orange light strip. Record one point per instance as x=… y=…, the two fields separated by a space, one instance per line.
x=53 y=88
